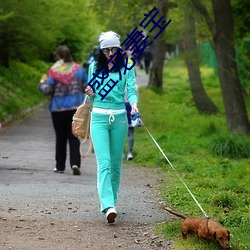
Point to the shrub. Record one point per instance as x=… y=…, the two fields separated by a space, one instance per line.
x=223 y=200
x=231 y=146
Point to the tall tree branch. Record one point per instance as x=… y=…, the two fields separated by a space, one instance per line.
x=202 y=9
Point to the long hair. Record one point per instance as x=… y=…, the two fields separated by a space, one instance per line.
x=102 y=60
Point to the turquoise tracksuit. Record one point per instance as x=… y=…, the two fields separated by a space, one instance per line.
x=108 y=131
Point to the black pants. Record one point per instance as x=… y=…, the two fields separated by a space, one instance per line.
x=147 y=65
x=62 y=122
x=130 y=139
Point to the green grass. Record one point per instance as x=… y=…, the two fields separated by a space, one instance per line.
x=214 y=164
x=19 y=88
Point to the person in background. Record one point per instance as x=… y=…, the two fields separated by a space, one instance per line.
x=109 y=125
x=65 y=83
x=128 y=109
x=147 y=55
x=93 y=55
x=130 y=133
x=85 y=66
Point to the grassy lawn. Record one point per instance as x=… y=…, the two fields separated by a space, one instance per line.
x=214 y=164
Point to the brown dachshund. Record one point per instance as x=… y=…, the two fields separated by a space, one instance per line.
x=204 y=229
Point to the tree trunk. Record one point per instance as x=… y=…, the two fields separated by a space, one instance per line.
x=235 y=109
x=201 y=99
x=223 y=37
x=156 y=71
x=159 y=51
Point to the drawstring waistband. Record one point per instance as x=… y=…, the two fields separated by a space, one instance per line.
x=111 y=117
x=110 y=112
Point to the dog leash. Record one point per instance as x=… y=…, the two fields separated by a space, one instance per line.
x=174 y=170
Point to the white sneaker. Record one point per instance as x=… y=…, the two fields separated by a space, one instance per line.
x=58 y=171
x=76 y=170
x=111 y=214
x=130 y=156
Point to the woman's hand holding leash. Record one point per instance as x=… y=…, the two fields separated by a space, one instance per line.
x=89 y=91
x=134 y=109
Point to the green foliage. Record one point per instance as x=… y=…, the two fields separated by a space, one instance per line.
x=243 y=61
x=224 y=200
x=242 y=35
x=176 y=31
x=231 y=146
x=219 y=183
x=41 y=29
x=129 y=13
x=19 y=87
x=241 y=17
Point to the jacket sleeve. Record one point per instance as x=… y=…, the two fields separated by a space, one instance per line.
x=81 y=74
x=47 y=87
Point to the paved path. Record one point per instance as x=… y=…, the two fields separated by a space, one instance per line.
x=27 y=160
x=26 y=163
x=141 y=78
x=31 y=191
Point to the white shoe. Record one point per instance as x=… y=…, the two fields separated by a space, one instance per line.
x=130 y=156
x=76 y=170
x=111 y=214
x=58 y=171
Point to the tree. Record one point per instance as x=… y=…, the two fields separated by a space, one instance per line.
x=241 y=17
x=201 y=99
x=119 y=16
x=125 y=16
x=223 y=37
x=159 y=48
x=23 y=33
x=28 y=33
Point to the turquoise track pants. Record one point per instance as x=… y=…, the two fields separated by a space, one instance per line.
x=108 y=136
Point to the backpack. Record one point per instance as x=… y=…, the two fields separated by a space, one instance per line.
x=81 y=126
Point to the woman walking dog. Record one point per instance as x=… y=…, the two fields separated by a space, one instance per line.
x=109 y=123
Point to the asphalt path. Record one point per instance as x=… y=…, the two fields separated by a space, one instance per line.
x=26 y=176
x=31 y=190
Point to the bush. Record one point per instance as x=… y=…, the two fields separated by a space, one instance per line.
x=19 y=88
x=231 y=146
x=224 y=200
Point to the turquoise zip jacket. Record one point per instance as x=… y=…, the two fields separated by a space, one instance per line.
x=115 y=98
